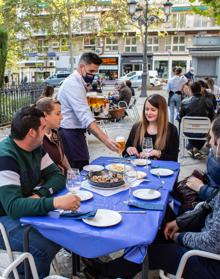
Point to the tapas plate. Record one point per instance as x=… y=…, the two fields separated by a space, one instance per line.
x=93 y=168
x=141 y=162
x=117 y=167
x=146 y=194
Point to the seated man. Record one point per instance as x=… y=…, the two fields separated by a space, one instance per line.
x=28 y=179
x=125 y=94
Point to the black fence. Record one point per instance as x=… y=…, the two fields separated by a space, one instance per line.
x=11 y=99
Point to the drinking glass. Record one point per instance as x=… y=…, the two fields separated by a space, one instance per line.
x=121 y=144
x=147 y=145
x=130 y=176
x=73 y=180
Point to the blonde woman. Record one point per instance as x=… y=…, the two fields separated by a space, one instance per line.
x=52 y=143
x=154 y=124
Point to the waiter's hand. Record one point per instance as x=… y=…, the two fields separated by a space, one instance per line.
x=112 y=145
x=67 y=202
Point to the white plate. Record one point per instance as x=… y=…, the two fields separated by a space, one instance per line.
x=141 y=162
x=141 y=174
x=161 y=172
x=104 y=218
x=84 y=195
x=117 y=167
x=146 y=194
x=93 y=168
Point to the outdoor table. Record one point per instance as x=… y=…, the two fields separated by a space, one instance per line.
x=92 y=242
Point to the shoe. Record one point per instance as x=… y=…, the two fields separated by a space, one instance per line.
x=197 y=153
x=191 y=153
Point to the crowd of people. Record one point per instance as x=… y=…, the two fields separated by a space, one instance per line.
x=48 y=138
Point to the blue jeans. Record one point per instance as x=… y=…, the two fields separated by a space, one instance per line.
x=167 y=257
x=175 y=102
x=42 y=249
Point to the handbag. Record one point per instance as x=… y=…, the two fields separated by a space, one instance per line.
x=188 y=197
x=194 y=220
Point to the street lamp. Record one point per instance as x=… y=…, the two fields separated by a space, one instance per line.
x=143 y=18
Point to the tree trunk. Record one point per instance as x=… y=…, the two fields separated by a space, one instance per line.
x=3 y=53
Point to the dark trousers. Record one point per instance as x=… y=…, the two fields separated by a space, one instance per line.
x=195 y=143
x=75 y=147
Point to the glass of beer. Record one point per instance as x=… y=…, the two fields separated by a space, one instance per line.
x=121 y=144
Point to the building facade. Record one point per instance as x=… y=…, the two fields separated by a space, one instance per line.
x=168 y=46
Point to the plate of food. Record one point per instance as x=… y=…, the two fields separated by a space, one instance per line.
x=141 y=162
x=117 y=167
x=106 y=180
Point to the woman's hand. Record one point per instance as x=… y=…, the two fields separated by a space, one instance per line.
x=132 y=151
x=154 y=153
x=194 y=183
x=170 y=230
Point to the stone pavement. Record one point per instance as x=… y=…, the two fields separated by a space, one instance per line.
x=97 y=149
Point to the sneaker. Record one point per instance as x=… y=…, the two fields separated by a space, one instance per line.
x=191 y=153
x=197 y=153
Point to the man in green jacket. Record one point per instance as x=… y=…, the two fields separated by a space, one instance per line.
x=28 y=180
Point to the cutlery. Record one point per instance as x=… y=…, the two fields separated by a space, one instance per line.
x=162 y=182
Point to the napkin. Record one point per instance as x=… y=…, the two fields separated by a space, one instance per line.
x=146 y=205
x=79 y=214
x=165 y=165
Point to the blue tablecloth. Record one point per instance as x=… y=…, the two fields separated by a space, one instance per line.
x=134 y=233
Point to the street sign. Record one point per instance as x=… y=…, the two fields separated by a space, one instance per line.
x=104 y=2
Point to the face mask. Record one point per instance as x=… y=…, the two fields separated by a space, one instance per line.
x=88 y=78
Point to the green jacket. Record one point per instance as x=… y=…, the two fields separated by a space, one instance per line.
x=24 y=173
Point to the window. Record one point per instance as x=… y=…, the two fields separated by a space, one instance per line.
x=178 y=43
x=130 y=44
x=152 y=44
x=89 y=24
x=111 y=44
x=168 y=43
x=89 y=43
x=178 y=20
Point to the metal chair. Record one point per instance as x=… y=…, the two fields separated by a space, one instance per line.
x=184 y=260
x=13 y=266
x=193 y=125
x=125 y=105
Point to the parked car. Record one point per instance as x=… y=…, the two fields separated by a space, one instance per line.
x=130 y=74
x=136 y=80
x=57 y=78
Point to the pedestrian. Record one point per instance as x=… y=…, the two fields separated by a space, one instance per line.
x=174 y=88
x=28 y=180
x=190 y=75
x=128 y=83
x=77 y=115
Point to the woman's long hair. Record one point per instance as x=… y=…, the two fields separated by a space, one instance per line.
x=158 y=102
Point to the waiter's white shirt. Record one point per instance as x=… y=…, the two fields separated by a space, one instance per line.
x=74 y=106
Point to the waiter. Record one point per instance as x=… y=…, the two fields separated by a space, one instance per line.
x=77 y=116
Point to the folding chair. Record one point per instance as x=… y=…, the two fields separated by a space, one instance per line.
x=13 y=266
x=133 y=108
x=193 y=125
x=184 y=260
x=125 y=105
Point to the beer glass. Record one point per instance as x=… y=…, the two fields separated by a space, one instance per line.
x=121 y=144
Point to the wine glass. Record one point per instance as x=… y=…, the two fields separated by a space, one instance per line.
x=73 y=180
x=147 y=147
x=130 y=176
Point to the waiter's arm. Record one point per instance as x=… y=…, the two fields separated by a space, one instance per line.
x=97 y=132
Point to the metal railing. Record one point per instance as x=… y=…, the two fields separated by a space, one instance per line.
x=13 y=98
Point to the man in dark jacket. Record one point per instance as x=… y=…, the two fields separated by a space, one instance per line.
x=196 y=105
x=125 y=94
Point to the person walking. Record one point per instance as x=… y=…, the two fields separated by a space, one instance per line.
x=77 y=116
x=174 y=88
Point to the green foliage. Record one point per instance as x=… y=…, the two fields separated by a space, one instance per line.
x=213 y=9
x=3 y=53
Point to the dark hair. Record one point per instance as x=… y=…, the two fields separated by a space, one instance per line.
x=203 y=83
x=25 y=119
x=48 y=91
x=128 y=83
x=90 y=58
x=177 y=70
x=195 y=88
x=216 y=128
x=46 y=104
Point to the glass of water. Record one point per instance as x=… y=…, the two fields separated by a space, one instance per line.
x=73 y=180
x=147 y=146
x=130 y=176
